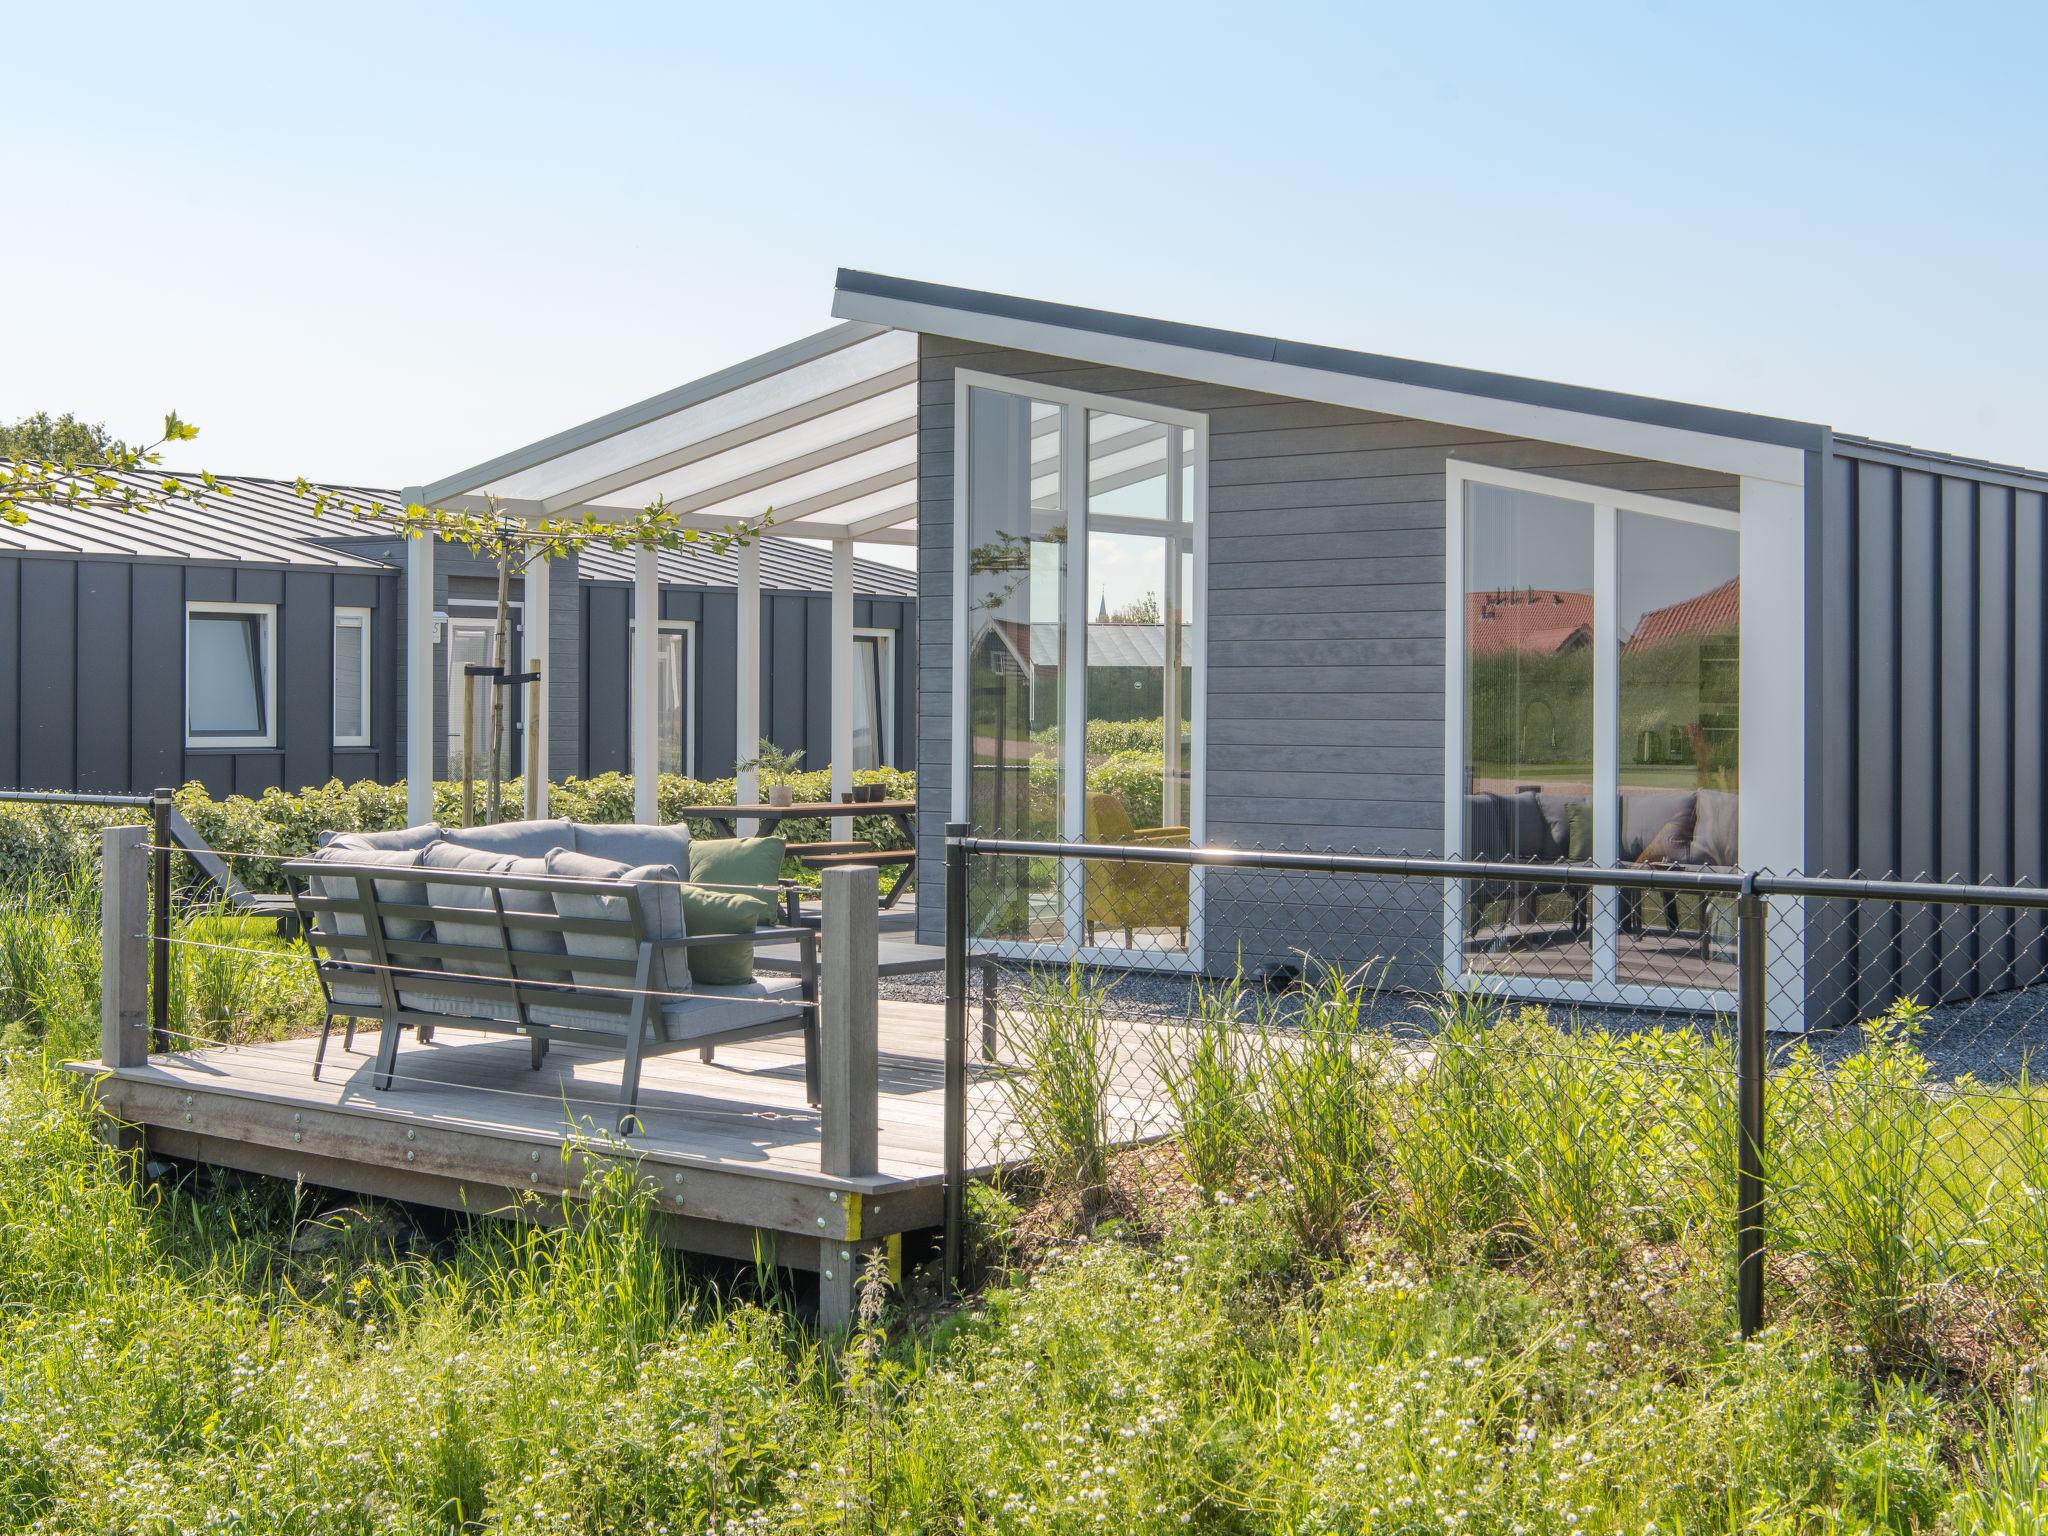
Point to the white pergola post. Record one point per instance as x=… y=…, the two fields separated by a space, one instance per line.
x=646 y=754
x=842 y=682
x=419 y=678
x=536 y=598
x=747 y=676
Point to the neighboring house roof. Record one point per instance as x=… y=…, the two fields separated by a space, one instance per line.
x=1711 y=613
x=1527 y=619
x=1109 y=645
x=265 y=522
x=785 y=566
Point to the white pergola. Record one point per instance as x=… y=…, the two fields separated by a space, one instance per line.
x=823 y=431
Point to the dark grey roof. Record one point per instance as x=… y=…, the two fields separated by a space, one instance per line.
x=265 y=522
x=1370 y=365
x=260 y=522
x=1935 y=462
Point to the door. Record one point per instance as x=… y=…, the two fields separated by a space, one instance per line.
x=472 y=642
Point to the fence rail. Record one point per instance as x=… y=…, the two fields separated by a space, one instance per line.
x=1749 y=965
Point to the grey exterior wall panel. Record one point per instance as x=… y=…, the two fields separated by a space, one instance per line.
x=92 y=675
x=1929 y=672
x=1326 y=624
x=796 y=683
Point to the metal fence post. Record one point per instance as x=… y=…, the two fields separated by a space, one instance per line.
x=160 y=920
x=1752 y=1024
x=956 y=1049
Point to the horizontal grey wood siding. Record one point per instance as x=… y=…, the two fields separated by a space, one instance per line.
x=1325 y=626
x=1931 y=660
x=92 y=675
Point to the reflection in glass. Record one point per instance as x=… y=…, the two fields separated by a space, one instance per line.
x=1529 y=649
x=1678 y=599
x=671 y=693
x=1138 y=677
x=471 y=643
x=1016 y=528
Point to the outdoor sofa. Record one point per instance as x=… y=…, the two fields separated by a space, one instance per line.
x=1679 y=829
x=556 y=931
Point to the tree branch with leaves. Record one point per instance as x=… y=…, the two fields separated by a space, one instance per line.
x=76 y=467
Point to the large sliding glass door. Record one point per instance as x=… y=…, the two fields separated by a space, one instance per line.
x=1594 y=718
x=1077 y=688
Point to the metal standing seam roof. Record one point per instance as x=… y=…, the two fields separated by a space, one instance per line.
x=266 y=522
x=263 y=522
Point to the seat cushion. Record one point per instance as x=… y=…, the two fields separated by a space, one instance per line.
x=662 y=908
x=718 y=1009
x=346 y=848
x=525 y=839
x=1657 y=827
x=396 y=840
x=634 y=843
x=1714 y=828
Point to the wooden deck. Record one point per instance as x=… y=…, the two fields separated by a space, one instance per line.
x=730 y=1146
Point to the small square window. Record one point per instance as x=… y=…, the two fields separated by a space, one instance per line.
x=230 y=682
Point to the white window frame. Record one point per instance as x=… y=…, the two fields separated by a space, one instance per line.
x=687 y=628
x=1075 y=404
x=357 y=618
x=206 y=743
x=885 y=704
x=1772 y=748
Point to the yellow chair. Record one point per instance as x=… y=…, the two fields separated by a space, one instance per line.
x=1132 y=896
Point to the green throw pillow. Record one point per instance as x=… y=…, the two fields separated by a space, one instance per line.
x=1578 y=820
x=708 y=910
x=732 y=890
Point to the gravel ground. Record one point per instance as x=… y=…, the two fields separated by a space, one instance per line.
x=1989 y=1038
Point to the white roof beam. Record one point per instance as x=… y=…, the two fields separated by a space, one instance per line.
x=654 y=408
x=736 y=437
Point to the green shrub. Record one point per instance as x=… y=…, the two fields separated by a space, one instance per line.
x=46 y=843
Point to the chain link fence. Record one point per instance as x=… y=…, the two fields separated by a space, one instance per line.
x=1826 y=1081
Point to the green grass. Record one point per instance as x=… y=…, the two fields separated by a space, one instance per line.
x=1416 y=1290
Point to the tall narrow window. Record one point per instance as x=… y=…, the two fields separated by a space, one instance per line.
x=1015 y=606
x=874 y=699
x=1529 y=651
x=351 y=677
x=1078 y=703
x=674 y=691
x=230 y=693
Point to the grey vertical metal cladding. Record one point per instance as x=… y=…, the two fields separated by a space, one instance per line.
x=92 y=674
x=1931 y=670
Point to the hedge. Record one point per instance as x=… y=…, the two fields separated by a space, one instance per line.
x=49 y=842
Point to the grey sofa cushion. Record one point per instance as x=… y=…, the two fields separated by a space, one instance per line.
x=346 y=848
x=1657 y=823
x=525 y=839
x=1714 y=828
x=661 y=904
x=634 y=843
x=715 y=1010
x=484 y=935
x=396 y=840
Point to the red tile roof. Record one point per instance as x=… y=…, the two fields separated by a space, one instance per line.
x=1711 y=613
x=1527 y=619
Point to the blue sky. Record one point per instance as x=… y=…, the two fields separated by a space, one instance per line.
x=378 y=243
